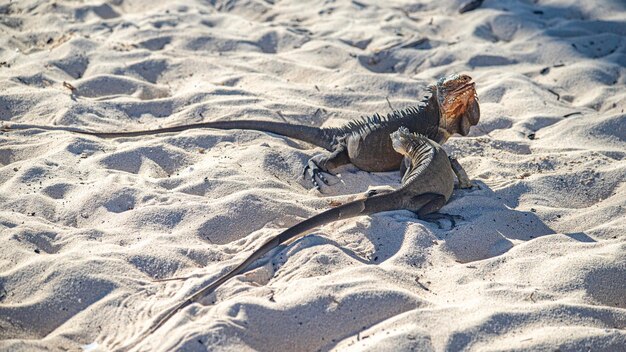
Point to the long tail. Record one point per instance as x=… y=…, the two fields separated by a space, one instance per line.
x=367 y=206
x=313 y=135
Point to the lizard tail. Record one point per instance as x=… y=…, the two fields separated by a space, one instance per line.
x=309 y=134
x=313 y=135
x=367 y=206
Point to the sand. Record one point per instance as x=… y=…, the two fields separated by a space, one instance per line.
x=88 y=225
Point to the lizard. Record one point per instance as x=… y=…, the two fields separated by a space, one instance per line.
x=450 y=107
x=426 y=187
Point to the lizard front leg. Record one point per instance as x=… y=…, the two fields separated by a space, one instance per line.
x=320 y=164
x=405 y=165
x=461 y=175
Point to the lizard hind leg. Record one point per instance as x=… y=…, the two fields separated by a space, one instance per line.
x=320 y=164
x=438 y=218
x=428 y=212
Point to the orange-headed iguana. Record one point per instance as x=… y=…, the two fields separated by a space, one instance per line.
x=450 y=107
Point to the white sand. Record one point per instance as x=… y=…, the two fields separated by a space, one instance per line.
x=86 y=225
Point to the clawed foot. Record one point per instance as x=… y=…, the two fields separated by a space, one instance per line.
x=467 y=186
x=461 y=175
x=315 y=173
x=439 y=218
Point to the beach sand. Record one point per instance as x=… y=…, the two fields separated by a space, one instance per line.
x=88 y=225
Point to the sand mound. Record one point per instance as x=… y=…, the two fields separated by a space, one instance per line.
x=87 y=225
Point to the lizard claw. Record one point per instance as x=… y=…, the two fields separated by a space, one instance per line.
x=315 y=173
x=469 y=186
x=436 y=218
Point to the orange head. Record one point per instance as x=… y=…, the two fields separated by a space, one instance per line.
x=458 y=103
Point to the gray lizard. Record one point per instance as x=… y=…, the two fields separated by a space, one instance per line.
x=450 y=107
x=426 y=187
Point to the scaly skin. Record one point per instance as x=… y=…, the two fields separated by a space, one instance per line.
x=426 y=187
x=452 y=107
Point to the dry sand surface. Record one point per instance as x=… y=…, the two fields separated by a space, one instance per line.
x=87 y=225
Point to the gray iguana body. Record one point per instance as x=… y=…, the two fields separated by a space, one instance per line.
x=451 y=107
x=426 y=187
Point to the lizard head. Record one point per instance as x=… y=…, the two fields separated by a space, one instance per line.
x=400 y=140
x=458 y=103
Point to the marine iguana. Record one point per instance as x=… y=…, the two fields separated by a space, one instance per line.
x=451 y=107
x=426 y=187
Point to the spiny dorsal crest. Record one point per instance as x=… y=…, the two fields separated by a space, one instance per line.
x=366 y=123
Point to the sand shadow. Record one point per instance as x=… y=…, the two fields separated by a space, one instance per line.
x=317 y=324
x=491 y=227
x=37 y=316
x=572 y=27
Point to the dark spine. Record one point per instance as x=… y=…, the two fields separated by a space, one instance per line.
x=425 y=119
x=422 y=119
